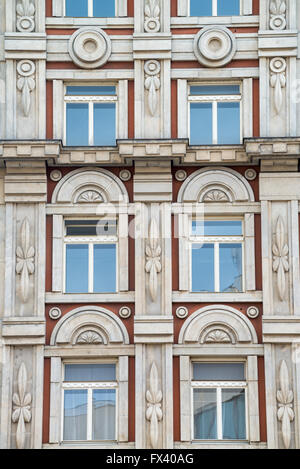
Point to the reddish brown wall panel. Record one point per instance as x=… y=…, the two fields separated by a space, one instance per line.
x=174 y=109
x=256 y=111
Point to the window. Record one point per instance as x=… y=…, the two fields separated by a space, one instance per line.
x=89 y=402
x=96 y=8
x=217 y=255
x=90 y=256
x=219 y=395
x=90 y=115
x=214 y=7
x=215 y=114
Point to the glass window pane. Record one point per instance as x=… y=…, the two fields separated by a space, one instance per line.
x=201 y=123
x=231 y=267
x=200 y=7
x=90 y=372
x=217 y=228
x=205 y=414
x=91 y=227
x=77 y=268
x=203 y=267
x=76 y=8
x=233 y=414
x=229 y=123
x=103 y=8
x=77 y=124
x=90 y=90
x=218 y=371
x=105 y=124
x=104 y=414
x=213 y=90
x=75 y=414
x=104 y=268
x=228 y=7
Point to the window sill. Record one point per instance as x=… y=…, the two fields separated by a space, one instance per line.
x=195 y=21
x=188 y=297
x=66 y=21
x=220 y=445
x=125 y=297
x=91 y=445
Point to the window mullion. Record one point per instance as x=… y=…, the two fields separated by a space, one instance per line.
x=219 y=414
x=215 y=122
x=214 y=7
x=90 y=415
x=90 y=8
x=217 y=266
x=91 y=267
x=91 y=123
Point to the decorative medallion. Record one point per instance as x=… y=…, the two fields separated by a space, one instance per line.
x=182 y=312
x=214 y=46
x=89 y=197
x=215 y=195
x=252 y=312
x=25 y=16
x=152 y=13
x=55 y=313
x=89 y=337
x=125 y=175
x=90 y=47
x=125 y=312
x=181 y=175
x=55 y=175
x=250 y=174
x=277 y=15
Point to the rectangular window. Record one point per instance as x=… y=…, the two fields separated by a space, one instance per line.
x=92 y=8
x=89 y=402
x=215 y=115
x=219 y=401
x=90 y=115
x=91 y=256
x=217 y=255
x=214 y=7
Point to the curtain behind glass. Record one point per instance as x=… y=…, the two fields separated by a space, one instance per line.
x=104 y=414
x=205 y=414
x=75 y=414
x=233 y=414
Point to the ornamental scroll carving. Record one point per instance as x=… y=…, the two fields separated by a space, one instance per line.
x=26 y=83
x=21 y=407
x=277 y=14
x=153 y=259
x=280 y=257
x=152 y=14
x=154 y=412
x=25 y=16
x=278 y=80
x=285 y=397
x=25 y=259
x=152 y=84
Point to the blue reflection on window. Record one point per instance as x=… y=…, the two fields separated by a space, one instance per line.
x=77 y=268
x=218 y=371
x=228 y=7
x=104 y=268
x=203 y=267
x=201 y=123
x=77 y=126
x=90 y=372
x=201 y=8
x=230 y=267
x=233 y=414
x=217 y=228
x=75 y=414
x=105 y=124
x=90 y=90
x=77 y=8
x=229 y=123
x=213 y=90
x=103 y=8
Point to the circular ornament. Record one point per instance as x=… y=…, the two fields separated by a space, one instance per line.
x=90 y=47
x=125 y=312
x=152 y=67
x=55 y=313
x=252 y=312
x=182 y=312
x=25 y=24
x=214 y=46
x=250 y=174
x=180 y=175
x=125 y=175
x=55 y=175
x=278 y=65
x=25 y=68
x=277 y=22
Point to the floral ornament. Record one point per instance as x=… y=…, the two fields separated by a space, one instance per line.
x=278 y=80
x=153 y=259
x=280 y=257
x=277 y=14
x=285 y=397
x=25 y=16
x=25 y=260
x=26 y=83
x=21 y=409
x=152 y=12
x=154 y=411
x=152 y=84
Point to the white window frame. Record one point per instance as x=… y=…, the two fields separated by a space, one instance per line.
x=89 y=386
x=215 y=99
x=218 y=385
x=216 y=241
x=91 y=241
x=58 y=8
x=184 y=7
x=91 y=100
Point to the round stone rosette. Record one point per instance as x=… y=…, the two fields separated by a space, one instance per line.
x=90 y=47
x=214 y=46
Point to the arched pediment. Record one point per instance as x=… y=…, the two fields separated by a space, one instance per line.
x=215 y=185
x=90 y=185
x=217 y=324
x=89 y=325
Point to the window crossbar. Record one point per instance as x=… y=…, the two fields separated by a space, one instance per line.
x=210 y=98
x=219 y=384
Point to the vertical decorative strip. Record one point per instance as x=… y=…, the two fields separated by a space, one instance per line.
x=154 y=413
x=21 y=409
x=285 y=397
x=25 y=260
x=280 y=257
x=153 y=259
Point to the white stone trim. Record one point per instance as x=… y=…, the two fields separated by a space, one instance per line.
x=185 y=398
x=58 y=109
x=253 y=402
x=58 y=8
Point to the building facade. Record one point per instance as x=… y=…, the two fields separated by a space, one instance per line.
x=149 y=235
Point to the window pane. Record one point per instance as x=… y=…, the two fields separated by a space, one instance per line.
x=213 y=90
x=201 y=7
x=77 y=124
x=76 y=7
x=104 y=414
x=228 y=123
x=205 y=414
x=90 y=90
x=104 y=8
x=91 y=227
x=77 y=268
x=91 y=372
x=217 y=228
x=104 y=124
x=203 y=267
x=75 y=414
x=233 y=414
x=218 y=371
x=201 y=124
x=228 y=7
x=104 y=268
x=230 y=267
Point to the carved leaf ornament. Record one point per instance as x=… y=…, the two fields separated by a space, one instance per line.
x=278 y=80
x=280 y=257
x=25 y=260
x=22 y=407
x=26 y=83
x=285 y=397
x=153 y=259
x=277 y=14
x=154 y=412
x=25 y=16
x=152 y=84
x=152 y=12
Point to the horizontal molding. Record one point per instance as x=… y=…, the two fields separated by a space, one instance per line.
x=91 y=351
x=90 y=298
x=218 y=350
x=187 y=297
